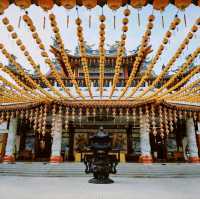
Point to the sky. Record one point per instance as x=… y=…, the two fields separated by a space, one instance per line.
x=91 y=35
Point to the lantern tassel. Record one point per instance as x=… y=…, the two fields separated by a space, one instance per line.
x=67 y=21
x=114 y=21
x=185 y=21
x=138 y=18
x=90 y=21
x=44 y=22
x=163 y=23
x=19 y=22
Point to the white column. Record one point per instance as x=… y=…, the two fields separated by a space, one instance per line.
x=145 y=141
x=198 y=127
x=57 y=140
x=9 y=156
x=191 y=137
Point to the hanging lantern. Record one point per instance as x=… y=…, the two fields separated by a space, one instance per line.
x=182 y=4
x=24 y=4
x=161 y=122
x=160 y=5
x=94 y=113
x=3 y=5
x=80 y=115
x=171 y=120
x=66 y=118
x=134 y=116
x=114 y=114
x=73 y=114
x=140 y=116
x=127 y=115
x=138 y=3
x=68 y=4
x=107 y=112
x=89 y=4
x=46 y=4
x=153 y=120
x=44 y=120
x=35 y=119
x=31 y=116
x=147 y=119
x=114 y=4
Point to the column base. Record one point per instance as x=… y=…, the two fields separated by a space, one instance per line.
x=56 y=159
x=9 y=159
x=145 y=159
x=194 y=159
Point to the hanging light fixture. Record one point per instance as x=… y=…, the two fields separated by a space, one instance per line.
x=182 y=5
x=3 y=5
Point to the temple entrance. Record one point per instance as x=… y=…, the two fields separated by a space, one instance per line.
x=119 y=144
x=32 y=146
x=43 y=147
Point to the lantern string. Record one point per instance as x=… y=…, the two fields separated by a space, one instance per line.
x=44 y=22
x=163 y=23
x=67 y=21
x=90 y=19
x=185 y=20
x=114 y=20
x=19 y=21
x=138 y=15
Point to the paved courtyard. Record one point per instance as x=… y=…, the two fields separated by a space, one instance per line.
x=78 y=188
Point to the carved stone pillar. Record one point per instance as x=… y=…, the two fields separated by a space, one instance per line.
x=10 y=146
x=57 y=140
x=192 y=143
x=145 y=142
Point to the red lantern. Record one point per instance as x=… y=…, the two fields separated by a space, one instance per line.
x=89 y=4
x=114 y=4
x=68 y=4
x=3 y=5
x=182 y=4
x=160 y=5
x=46 y=4
x=23 y=3
x=138 y=3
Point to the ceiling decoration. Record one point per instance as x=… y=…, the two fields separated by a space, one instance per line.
x=112 y=4
x=28 y=90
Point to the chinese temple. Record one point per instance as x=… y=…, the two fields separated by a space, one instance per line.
x=151 y=117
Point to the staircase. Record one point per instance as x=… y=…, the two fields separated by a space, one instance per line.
x=130 y=170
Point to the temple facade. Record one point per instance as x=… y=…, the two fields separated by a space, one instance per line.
x=143 y=132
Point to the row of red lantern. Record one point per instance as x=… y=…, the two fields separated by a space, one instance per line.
x=89 y=4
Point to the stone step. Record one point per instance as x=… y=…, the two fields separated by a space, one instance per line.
x=77 y=170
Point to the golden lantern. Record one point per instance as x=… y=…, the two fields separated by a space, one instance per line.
x=182 y=4
x=10 y=28
x=114 y=4
x=3 y=5
x=68 y=4
x=5 y=21
x=89 y=4
x=138 y=3
x=46 y=4
x=23 y=3
x=160 y=5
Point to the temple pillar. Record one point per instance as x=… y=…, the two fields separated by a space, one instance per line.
x=10 y=146
x=198 y=136
x=145 y=146
x=192 y=143
x=57 y=140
